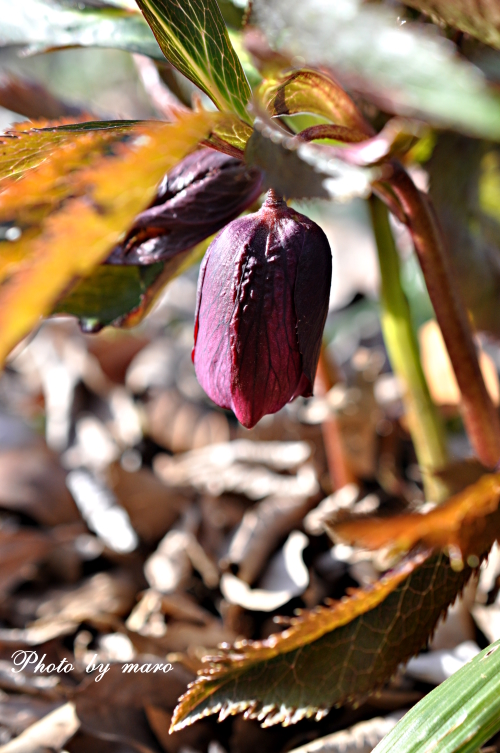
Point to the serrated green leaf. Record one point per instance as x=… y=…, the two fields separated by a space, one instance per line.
x=407 y=68
x=194 y=38
x=39 y=25
x=456 y=717
x=329 y=655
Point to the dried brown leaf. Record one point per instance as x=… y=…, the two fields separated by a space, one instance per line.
x=151 y=506
x=361 y=738
x=99 y=600
x=180 y=425
x=20 y=551
x=114 y=707
x=51 y=732
x=33 y=482
x=239 y=467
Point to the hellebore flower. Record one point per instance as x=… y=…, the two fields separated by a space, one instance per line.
x=195 y=199
x=263 y=295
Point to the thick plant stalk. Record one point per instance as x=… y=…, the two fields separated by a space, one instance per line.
x=423 y=419
x=479 y=413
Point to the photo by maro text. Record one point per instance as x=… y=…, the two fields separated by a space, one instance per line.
x=25 y=659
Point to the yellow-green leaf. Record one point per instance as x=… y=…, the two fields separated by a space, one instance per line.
x=458 y=716
x=309 y=91
x=194 y=38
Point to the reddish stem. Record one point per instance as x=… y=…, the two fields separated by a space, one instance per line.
x=479 y=413
x=338 y=466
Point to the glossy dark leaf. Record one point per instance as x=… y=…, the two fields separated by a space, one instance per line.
x=122 y=296
x=108 y=294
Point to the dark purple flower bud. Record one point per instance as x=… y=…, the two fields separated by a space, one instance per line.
x=263 y=295
x=196 y=198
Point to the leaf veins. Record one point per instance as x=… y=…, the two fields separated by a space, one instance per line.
x=329 y=655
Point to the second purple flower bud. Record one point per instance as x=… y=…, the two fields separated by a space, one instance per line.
x=195 y=199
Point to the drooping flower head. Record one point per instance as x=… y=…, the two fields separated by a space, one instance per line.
x=195 y=199
x=263 y=295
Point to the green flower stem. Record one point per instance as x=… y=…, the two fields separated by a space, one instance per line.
x=423 y=419
x=480 y=416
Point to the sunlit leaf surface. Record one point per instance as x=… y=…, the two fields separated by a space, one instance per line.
x=467 y=524
x=311 y=91
x=100 y=201
x=194 y=38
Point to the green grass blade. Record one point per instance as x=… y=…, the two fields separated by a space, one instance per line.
x=456 y=717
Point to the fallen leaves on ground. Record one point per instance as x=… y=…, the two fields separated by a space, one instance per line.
x=217 y=529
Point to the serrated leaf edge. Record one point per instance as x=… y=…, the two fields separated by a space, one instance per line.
x=306 y=627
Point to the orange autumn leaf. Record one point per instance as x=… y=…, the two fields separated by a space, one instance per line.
x=467 y=524
x=97 y=204
x=43 y=178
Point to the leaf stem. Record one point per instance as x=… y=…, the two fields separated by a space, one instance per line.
x=478 y=411
x=423 y=419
